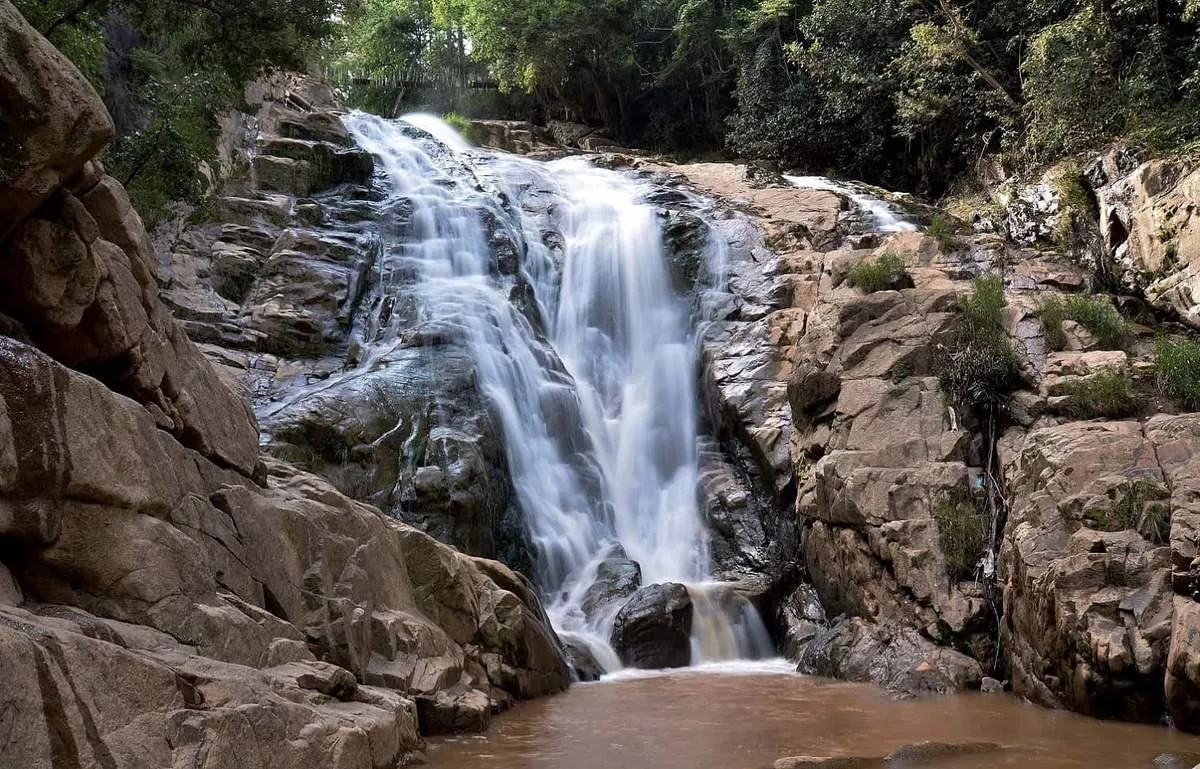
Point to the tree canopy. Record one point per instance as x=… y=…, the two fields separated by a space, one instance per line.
x=168 y=68
x=903 y=92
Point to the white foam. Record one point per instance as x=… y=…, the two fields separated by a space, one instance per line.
x=886 y=217
x=598 y=408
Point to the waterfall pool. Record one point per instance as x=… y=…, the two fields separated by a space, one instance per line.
x=750 y=715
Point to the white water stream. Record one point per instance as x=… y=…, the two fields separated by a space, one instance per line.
x=886 y=217
x=597 y=405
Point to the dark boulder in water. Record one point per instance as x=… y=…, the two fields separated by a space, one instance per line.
x=654 y=629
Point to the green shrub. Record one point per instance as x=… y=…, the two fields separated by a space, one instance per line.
x=463 y=125
x=1140 y=505
x=980 y=368
x=1074 y=201
x=1108 y=393
x=887 y=271
x=1051 y=313
x=963 y=534
x=1096 y=315
x=1178 y=367
x=945 y=232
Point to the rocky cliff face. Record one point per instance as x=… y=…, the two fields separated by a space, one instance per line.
x=1086 y=596
x=281 y=286
x=169 y=596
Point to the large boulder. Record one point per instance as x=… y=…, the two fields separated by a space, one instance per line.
x=1097 y=550
x=653 y=629
x=890 y=655
x=51 y=121
x=1150 y=229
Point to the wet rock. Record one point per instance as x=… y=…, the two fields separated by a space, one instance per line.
x=801 y=617
x=893 y=656
x=917 y=754
x=616 y=579
x=829 y=762
x=449 y=712
x=933 y=752
x=580 y=658
x=1176 y=761
x=653 y=629
x=749 y=537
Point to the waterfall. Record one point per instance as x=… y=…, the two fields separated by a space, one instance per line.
x=885 y=218
x=593 y=381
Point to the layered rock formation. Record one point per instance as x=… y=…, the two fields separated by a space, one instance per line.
x=169 y=597
x=283 y=288
x=831 y=395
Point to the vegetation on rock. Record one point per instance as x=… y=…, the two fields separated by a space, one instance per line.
x=168 y=70
x=1109 y=394
x=883 y=272
x=1139 y=505
x=1095 y=314
x=963 y=532
x=979 y=367
x=1178 y=366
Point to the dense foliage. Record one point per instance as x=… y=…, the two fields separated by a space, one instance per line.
x=168 y=68
x=909 y=93
x=978 y=369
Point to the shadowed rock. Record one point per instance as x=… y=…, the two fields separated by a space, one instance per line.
x=653 y=630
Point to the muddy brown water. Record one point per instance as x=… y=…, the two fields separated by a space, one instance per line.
x=741 y=720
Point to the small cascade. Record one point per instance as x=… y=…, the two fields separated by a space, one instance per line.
x=725 y=625
x=886 y=217
x=555 y=276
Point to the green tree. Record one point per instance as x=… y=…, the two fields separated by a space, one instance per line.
x=168 y=68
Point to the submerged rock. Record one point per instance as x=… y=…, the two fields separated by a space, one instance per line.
x=801 y=618
x=653 y=630
x=916 y=754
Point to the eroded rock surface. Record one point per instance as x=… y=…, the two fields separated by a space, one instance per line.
x=831 y=395
x=288 y=292
x=169 y=597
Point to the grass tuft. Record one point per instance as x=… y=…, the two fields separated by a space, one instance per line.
x=980 y=368
x=1108 y=394
x=962 y=533
x=1178 y=367
x=1096 y=315
x=945 y=232
x=888 y=271
x=1139 y=505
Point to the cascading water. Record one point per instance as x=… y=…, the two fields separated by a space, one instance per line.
x=592 y=381
x=885 y=218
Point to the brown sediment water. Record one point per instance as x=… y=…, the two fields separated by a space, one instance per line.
x=739 y=720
